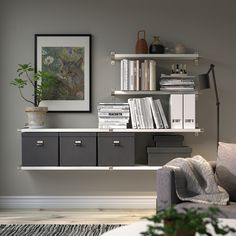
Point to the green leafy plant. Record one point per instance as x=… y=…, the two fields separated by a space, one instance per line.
x=170 y=222
x=41 y=82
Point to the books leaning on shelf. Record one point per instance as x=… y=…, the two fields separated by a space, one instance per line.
x=113 y=115
x=147 y=113
x=177 y=83
x=137 y=75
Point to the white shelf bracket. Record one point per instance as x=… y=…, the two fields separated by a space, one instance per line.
x=113 y=62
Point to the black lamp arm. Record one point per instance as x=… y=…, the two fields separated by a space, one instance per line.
x=217 y=100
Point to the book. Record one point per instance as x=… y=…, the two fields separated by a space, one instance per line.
x=163 y=116
x=148 y=114
x=122 y=75
x=132 y=110
x=146 y=75
x=131 y=80
x=152 y=75
x=155 y=114
x=137 y=75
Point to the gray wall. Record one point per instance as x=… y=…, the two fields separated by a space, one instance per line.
x=206 y=26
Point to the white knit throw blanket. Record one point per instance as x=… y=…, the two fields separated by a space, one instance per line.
x=195 y=181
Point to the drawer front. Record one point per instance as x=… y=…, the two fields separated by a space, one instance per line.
x=78 y=150
x=39 y=149
x=116 y=150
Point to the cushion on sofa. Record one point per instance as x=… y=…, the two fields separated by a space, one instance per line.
x=226 y=168
x=228 y=211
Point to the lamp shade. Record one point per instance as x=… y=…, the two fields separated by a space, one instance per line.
x=203 y=81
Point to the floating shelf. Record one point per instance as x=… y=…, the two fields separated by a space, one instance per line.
x=148 y=93
x=108 y=168
x=78 y=130
x=166 y=56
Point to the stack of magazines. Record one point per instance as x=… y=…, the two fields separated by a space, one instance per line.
x=113 y=115
x=178 y=83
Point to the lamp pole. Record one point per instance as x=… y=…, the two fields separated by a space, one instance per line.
x=217 y=101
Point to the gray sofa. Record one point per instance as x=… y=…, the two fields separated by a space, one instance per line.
x=166 y=195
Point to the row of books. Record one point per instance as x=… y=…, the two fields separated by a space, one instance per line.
x=113 y=115
x=147 y=113
x=177 y=83
x=137 y=75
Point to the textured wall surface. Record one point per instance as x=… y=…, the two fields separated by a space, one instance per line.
x=205 y=26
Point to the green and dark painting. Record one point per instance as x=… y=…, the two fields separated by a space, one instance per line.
x=67 y=65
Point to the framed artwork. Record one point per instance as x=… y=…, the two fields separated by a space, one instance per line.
x=68 y=59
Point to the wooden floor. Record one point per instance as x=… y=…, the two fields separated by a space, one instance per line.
x=77 y=216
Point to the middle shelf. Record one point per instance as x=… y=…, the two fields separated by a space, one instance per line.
x=149 y=92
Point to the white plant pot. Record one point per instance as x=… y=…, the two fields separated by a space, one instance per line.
x=36 y=117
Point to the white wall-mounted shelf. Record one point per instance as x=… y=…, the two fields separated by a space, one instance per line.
x=166 y=56
x=81 y=130
x=148 y=93
x=107 y=168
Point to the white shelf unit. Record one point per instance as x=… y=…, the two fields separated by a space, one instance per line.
x=166 y=56
x=85 y=168
x=85 y=130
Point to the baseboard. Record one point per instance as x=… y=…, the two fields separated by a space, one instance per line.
x=137 y=202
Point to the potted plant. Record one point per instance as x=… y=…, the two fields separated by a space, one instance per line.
x=170 y=222
x=42 y=83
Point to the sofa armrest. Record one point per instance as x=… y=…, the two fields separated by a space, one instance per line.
x=166 y=192
x=213 y=165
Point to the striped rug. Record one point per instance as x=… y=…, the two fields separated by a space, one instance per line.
x=54 y=230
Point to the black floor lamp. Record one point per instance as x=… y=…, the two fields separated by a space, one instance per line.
x=204 y=83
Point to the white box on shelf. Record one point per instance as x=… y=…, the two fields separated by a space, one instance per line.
x=189 y=111
x=176 y=111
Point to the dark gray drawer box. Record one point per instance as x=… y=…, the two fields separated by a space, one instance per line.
x=40 y=149
x=116 y=149
x=158 y=156
x=78 y=149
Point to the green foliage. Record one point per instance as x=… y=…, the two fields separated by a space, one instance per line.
x=41 y=82
x=190 y=220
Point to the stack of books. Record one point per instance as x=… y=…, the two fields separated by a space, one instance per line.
x=147 y=113
x=113 y=115
x=178 y=82
x=136 y=75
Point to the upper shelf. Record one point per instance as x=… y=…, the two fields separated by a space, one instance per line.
x=165 y=56
x=148 y=92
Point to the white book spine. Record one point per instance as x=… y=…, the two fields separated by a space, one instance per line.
x=149 y=113
x=146 y=75
x=152 y=74
x=143 y=113
x=176 y=111
x=133 y=118
x=126 y=75
x=137 y=75
x=159 y=115
x=142 y=76
x=189 y=111
x=122 y=75
x=131 y=75
x=154 y=112
x=163 y=116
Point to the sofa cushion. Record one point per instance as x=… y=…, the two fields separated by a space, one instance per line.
x=226 y=168
x=228 y=211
